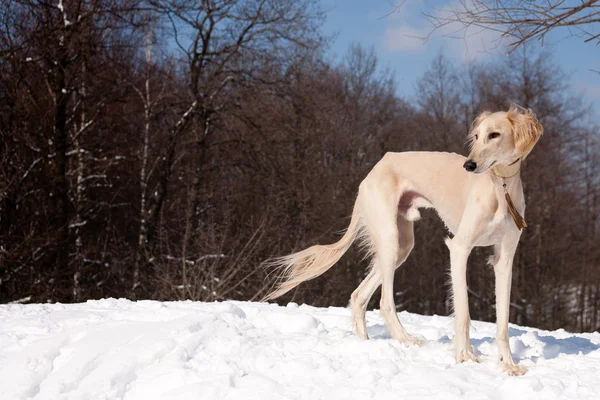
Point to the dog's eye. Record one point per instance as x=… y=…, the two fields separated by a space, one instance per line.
x=476 y=137
x=493 y=135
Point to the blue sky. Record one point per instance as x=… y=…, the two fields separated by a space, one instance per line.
x=365 y=22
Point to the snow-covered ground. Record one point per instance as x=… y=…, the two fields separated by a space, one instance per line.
x=113 y=349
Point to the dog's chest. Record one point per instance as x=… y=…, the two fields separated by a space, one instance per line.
x=498 y=225
x=495 y=232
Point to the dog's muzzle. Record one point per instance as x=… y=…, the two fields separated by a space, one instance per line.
x=470 y=165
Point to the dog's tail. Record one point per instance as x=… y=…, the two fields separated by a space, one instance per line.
x=314 y=261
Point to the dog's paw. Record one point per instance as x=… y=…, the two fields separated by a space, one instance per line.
x=361 y=331
x=416 y=341
x=466 y=355
x=514 y=369
x=412 y=341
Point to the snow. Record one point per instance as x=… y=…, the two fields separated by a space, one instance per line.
x=118 y=349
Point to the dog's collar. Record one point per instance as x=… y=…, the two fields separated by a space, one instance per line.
x=509 y=175
x=519 y=220
x=514 y=162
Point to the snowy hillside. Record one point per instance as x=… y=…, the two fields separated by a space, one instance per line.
x=113 y=349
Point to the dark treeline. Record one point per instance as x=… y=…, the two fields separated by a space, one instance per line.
x=163 y=149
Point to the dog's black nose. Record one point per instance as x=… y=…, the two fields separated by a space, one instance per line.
x=470 y=165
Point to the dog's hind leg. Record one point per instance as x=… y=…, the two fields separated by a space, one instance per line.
x=360 y=299
x=362 y=295
x=390 y=237
x=394 y=253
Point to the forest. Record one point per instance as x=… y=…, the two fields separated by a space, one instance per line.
x=165 y=149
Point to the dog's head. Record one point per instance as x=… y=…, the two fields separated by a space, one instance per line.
x=501 y=138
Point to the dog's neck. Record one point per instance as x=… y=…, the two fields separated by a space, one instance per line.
x=508 y=171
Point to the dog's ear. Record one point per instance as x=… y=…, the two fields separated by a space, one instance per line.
x=475 y=127
x=526 y=129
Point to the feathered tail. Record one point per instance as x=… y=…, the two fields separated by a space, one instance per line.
x=314 y=261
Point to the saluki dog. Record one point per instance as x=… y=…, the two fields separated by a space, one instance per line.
x=473 y=196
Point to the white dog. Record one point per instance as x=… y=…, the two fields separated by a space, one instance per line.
x=474 y=197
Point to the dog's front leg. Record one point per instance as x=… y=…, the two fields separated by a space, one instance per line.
x=459 y=253
x=473 y=225
x=503 y=270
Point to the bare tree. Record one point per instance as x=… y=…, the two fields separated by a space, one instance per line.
x=222 y=43
x=150 y=100
x=232 y=138
x=53 y=44
x=521 y=21
x=440 y=100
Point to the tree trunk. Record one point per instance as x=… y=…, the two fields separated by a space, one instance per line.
x=61 y=187
x=143 y=233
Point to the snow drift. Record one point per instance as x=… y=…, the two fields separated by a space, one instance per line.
x=117 y=349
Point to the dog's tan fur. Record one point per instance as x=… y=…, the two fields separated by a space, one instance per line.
x=472 y=205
